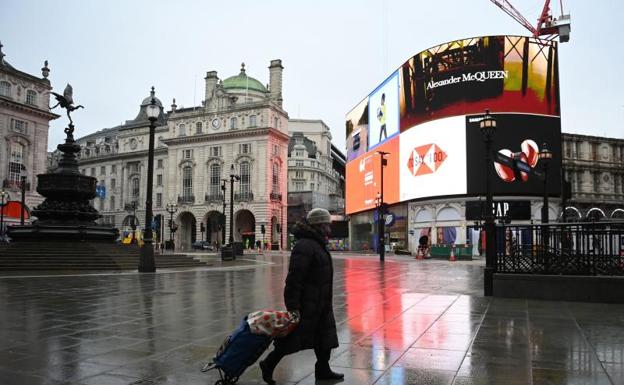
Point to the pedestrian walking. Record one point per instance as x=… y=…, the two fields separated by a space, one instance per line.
x=309 y=291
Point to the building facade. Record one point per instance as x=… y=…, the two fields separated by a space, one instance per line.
x=239 y=129
x=594 y=168
x=24 y=122
x=316 y=171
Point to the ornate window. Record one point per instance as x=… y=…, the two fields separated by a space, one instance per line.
x=19 y=126
x=233 y=123
x=182 y=130
x=5 y=88
x=252 y=120
x=245 y=181
x=187 y=181
x=244 y=148
x=136 y=189
x=276 y=170
x=16 y=163
x=158 y=199
x=31 y=97
x=198 y=127
x=215 y=179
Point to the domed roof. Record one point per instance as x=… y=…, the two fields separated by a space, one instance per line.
x=243 y=82
x=148 y=100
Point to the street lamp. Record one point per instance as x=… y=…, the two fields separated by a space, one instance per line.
x=233 y=176
x=545 y=155
x=23 y=188
x=488 y=128
x=381 y=219
x=223 y=183
x=146 y=261
x=3 y=195
x=171 y=209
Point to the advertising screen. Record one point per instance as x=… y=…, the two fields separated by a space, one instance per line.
x=364 y=176
x=383 y=111
x=499 y=73
x=439 y=94
x=357 y=130
x=518 y=136
x=433 y=159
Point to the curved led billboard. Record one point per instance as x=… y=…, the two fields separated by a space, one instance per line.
x=427 y=114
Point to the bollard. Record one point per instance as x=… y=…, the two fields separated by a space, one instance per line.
x=452 y=258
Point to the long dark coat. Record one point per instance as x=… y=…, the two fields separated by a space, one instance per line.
x=309 y=289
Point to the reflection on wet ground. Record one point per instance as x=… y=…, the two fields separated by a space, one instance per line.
x=406 y=322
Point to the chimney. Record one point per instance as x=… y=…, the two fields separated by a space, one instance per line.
x=275 y=81
x=211 y=83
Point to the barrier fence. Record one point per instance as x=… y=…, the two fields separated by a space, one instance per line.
x=593 y=248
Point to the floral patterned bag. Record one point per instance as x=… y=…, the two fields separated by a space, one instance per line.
x=272 y=323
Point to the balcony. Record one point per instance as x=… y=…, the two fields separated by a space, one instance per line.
x=276 y=196
x=186 y=199
x=243 y=197
x=213 y=197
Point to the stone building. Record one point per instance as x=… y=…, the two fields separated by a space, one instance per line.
x=594 y=168
x=316 y=170
x=240 y=124
x=24 y=122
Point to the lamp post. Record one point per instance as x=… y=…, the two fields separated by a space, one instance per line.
x=3 y=195
x=233 y=176
x=23 y=188
x=488 y=128
x=146 y=261
x=171 y=209
x=545 y=155
x=380 y=212
x=223 y=183
x=132 y=208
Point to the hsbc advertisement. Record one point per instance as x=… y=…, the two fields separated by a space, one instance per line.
x=433 y=159
x=423 y=115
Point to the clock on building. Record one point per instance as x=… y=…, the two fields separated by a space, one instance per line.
x=216 y=123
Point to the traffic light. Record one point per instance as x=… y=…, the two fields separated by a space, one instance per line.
x=262 y=229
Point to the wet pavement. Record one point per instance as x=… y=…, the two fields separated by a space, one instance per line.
x=406 y=322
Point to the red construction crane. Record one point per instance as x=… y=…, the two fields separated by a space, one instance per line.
x=546 y=25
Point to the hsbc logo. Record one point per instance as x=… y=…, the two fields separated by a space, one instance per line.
x=426 y=159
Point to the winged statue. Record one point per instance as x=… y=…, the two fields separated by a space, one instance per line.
x=66 y=101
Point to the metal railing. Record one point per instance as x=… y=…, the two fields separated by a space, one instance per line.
x=184 y=199
x=594 y=248
x=243 y=197
x=213 y=197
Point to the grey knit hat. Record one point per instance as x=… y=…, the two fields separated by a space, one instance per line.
x=317 y=216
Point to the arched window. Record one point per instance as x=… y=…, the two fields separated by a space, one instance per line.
x=187 y=182
x=31 y=97
x=252 y=120
x=5 y=88
x=182 y=130
x=245 y=181
x=215 y=179
x=198 y=128
x=234 y=123
x=16 y=163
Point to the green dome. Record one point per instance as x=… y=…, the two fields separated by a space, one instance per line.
x=243 y=82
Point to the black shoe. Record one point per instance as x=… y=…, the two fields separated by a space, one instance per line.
x=267 y=373
x=328 y=374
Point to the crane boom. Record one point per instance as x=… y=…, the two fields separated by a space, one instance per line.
x=515 y=14
x=546 y=24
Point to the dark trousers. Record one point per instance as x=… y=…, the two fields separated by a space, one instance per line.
x=322 y=358
x=383 y=132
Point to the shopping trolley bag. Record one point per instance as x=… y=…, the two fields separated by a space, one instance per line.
x=247 y=343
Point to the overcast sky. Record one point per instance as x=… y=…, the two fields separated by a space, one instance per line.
x=334 y=52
